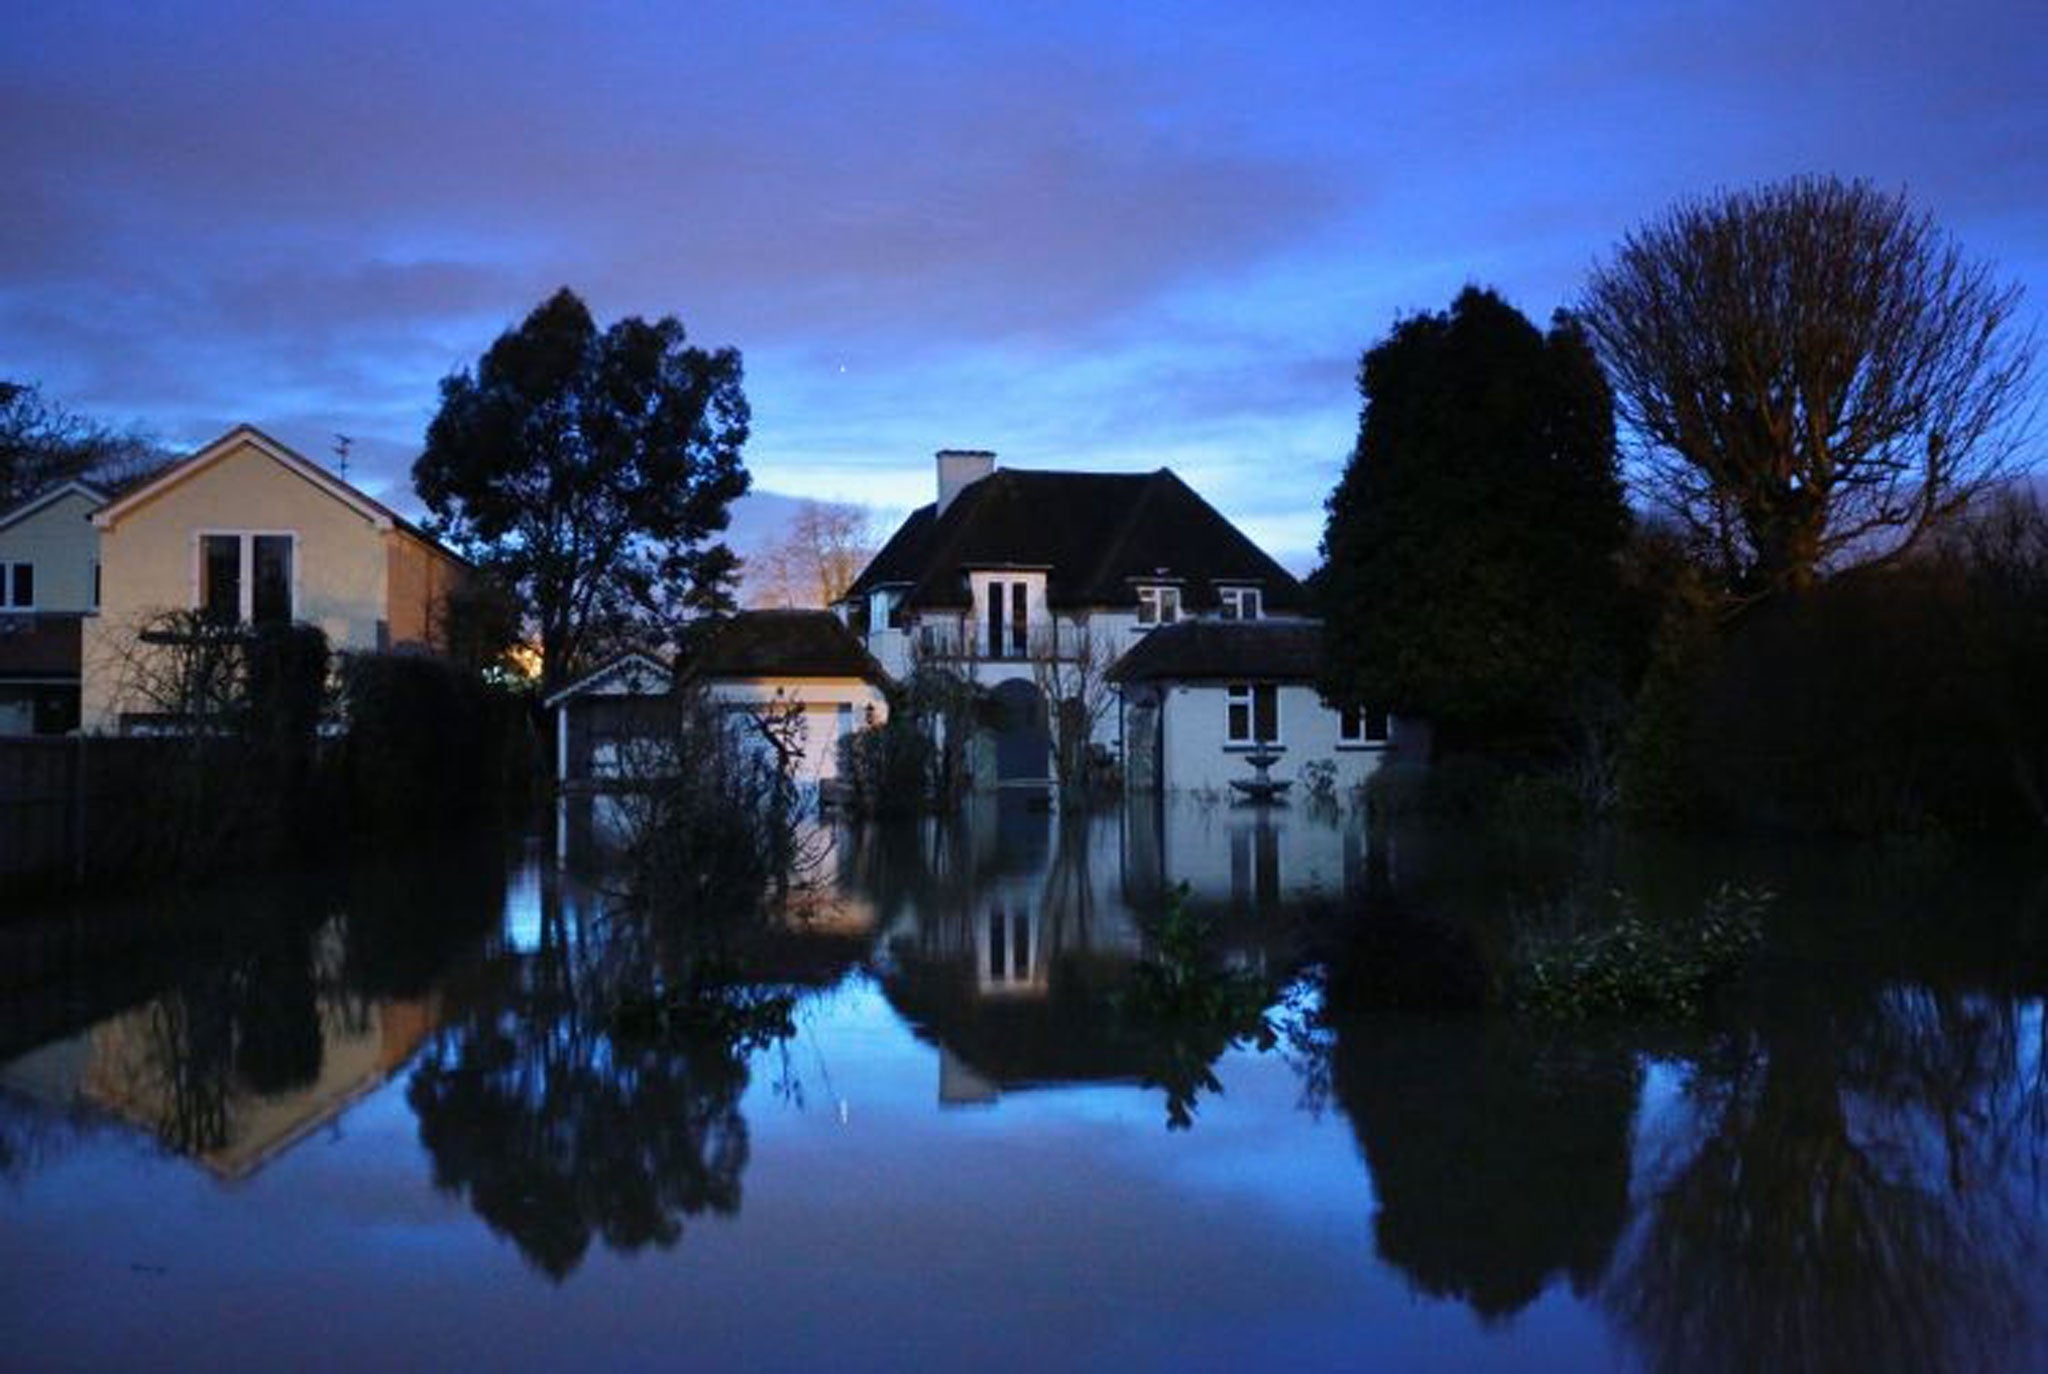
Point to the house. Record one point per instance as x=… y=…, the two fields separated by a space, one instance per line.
x=1037 y=585
x=49 y=584
x=248 y=531
x=1201 y=697
x=800 y=665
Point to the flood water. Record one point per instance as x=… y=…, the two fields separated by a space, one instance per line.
x=404 y=1115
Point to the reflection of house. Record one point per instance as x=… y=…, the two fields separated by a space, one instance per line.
x=135 y=1067
x=1008 y=933
x=1035 y=583
x=49 y=584
x=247 y=531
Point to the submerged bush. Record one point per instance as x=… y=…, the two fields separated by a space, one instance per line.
x=1630 y=966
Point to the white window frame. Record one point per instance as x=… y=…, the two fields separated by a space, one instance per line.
x=1247 y=695
x=1158 y=604
x=247 y=589
x=1240 y=603
x=1354 y=728
x=7 y=601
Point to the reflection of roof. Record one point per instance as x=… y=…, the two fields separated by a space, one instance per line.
x=1097 y=534
x=1195 y=650
x=783 y=644
x=39 y=647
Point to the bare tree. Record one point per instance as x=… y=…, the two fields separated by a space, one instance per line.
x=1816 y=375
x=1071 y=667
x=822 y=550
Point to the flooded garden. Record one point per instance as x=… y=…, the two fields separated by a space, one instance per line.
x=1167 y=1085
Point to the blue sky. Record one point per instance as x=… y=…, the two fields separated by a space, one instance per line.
x=1107 y=236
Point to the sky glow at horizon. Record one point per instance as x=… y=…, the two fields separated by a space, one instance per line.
x=1083 y=236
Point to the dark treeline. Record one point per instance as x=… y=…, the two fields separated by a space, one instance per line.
x=1822 y=603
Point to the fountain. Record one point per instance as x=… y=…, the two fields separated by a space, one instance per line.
x=1261 y=789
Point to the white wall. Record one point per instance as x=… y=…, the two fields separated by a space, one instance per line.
x=63 y=545
x=1198 y=756
x=821 y=701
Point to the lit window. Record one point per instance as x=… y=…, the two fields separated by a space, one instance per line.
x=18 y=587
x=1158 y=605
x=1252 y=713
x=1361 y=725
x=1240 y=603
x=246 y=578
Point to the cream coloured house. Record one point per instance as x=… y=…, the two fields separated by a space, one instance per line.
x=249 y=531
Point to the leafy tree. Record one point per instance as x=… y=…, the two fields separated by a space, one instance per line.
x=590 y=469
x=43 y=444
x=1816 y=374
x=1469 y=557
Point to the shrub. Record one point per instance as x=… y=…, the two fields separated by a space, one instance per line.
x=1628 y=966
x=431 y=747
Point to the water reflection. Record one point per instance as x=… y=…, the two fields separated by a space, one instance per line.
x=1499 y=1157
x=1009 y=937
x=255 y=1036
x=1848 y=1182
x=568 y=1097
x=1842 y=1166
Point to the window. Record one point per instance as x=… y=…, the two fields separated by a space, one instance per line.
x=1252 y=713
x=1158 y=605
x=246 y=578
x=18 y=587
x=1240 y=603
x=1008 y=619
x=1361 y=725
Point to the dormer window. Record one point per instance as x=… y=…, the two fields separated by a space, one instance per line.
x=1240 y=603
x=1158 y=605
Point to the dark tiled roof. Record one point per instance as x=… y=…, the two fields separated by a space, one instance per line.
x=39 y=646
x=783 y=644
x=1095 y=534
x=1196 y=650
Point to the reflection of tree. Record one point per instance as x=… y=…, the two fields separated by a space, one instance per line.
x=1854 y=1199
x=557 y=1125
x=243 y=1016
x=1499 y=1155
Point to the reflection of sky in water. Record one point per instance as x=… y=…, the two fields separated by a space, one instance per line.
x=523 y=910
x=882 y=1222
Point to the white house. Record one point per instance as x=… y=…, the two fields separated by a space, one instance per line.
x=798 y=665
x=1037 y=583
x=49 y=582
x=1200 y=699
x=801 y=668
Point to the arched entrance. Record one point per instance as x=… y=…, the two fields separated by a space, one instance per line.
x=1023 y=741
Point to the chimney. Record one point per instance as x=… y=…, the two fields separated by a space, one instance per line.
x=960 y=468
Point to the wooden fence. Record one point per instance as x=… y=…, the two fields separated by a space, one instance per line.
x=70 y=806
